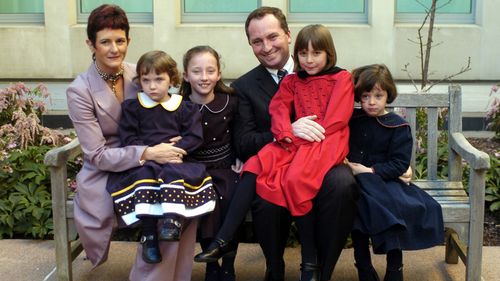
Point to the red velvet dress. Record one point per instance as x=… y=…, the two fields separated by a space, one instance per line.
x=291 y=174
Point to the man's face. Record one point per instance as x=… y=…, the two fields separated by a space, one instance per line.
x=270 y=43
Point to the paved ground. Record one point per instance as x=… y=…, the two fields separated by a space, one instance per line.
x=29 y=260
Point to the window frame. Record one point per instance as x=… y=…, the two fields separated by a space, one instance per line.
x=450 y=18
x=330 y=17
x=232 y=17
x=145 y=18
x=23 y=18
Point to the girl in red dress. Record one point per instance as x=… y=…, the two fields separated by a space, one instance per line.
x=289 y=171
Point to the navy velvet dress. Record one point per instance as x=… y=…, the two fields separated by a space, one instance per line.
x=157 y=189
x=395 y=215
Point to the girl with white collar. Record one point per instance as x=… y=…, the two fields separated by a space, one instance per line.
x=176 y=190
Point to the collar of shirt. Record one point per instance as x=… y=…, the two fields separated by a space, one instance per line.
x=288 y=67
x=171 y=105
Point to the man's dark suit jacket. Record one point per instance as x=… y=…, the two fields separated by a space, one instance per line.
x=252 y=128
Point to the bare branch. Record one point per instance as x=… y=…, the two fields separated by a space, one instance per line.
x=428 y=47
x=449 y=1
x=462 y=70
x=405 y=69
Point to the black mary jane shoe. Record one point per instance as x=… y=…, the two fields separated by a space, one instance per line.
x=170 y=230
x=394 y=275
x=150 y=250
x=367 y=273
x=216 y=250
x=311 y=270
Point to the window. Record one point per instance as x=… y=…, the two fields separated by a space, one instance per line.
x=21 y=11
x=137 y=11
x=217 y=11
x=326 y=11
x=448 y=11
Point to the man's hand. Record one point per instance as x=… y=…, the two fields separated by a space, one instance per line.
x=308 y=129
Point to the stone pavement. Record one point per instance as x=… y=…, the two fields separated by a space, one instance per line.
x=31 y=260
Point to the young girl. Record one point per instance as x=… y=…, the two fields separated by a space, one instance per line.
x=289 y=172
x=203 y=85
x=173 y=190
x=395 y=215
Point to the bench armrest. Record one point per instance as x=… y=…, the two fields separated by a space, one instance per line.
x=478 y=160
x=57 y=157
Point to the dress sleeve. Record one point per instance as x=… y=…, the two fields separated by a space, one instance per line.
x=281 y=110
x=399 y=154
x=190 y=127
x=129 y=123
x=81 y=110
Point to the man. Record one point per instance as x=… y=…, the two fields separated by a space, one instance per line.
x=268 y=35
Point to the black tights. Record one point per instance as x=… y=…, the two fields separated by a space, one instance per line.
x=239 y=207
x=362 y=253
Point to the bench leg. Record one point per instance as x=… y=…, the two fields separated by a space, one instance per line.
x=451 y=256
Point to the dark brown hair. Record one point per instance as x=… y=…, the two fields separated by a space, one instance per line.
x=321 y=40
x=160 y=62
x=366 y=77
x=106 y=16
x=220 y=87
x=262 y=12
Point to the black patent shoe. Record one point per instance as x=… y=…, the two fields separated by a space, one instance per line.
x=216 y=250
x=170 y=230
x=150 y=250
x=367 y=273
x=309 y=272
x=394 y=275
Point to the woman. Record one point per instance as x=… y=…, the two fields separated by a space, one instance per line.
x=94 y=104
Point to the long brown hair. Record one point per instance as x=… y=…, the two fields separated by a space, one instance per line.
x=220 y=87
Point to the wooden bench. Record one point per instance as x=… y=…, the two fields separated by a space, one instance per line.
x=463 y=214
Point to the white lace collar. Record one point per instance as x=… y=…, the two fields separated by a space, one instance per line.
x=171 y=105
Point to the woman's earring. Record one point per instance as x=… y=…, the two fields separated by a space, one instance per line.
x=93 y=56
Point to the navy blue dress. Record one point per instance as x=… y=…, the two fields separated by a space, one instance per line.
x=156 y=189
x=395 y=215
x=217 y=154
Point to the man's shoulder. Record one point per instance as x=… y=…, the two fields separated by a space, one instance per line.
x=250 y=76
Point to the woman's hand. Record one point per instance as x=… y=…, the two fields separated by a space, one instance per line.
x=164 y=153
x=238 y=166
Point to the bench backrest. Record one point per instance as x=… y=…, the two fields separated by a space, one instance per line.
x=434 y=104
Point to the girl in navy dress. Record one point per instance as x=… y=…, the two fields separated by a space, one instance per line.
x=396 y=216
x=203 y=85
x=180 y=188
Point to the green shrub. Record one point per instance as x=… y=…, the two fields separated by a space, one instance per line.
x=25 y=201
